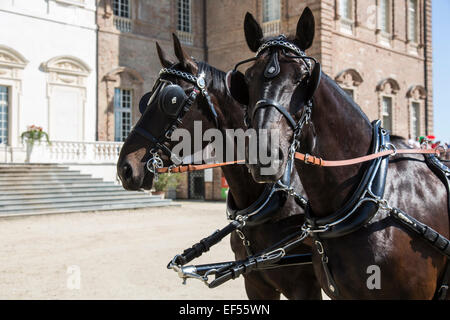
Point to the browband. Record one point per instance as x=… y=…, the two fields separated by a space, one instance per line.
x=280 y=41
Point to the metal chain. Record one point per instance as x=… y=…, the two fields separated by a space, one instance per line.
x=187 y=76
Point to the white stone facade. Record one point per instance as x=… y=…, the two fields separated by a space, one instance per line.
x=48 y=54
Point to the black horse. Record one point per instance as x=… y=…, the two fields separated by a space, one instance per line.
x=334 y=127
x=293 y=282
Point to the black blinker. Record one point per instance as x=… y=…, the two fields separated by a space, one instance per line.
x=172 y=99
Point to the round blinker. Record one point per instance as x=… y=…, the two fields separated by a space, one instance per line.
x=172 y=99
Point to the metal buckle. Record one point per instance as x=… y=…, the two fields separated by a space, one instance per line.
x=390 y=146
x=154 y=163
x=306 y=159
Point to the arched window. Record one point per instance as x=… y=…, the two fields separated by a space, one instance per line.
x=387 y=91
x=349 y=80
x=66 y=93
x=123 y=90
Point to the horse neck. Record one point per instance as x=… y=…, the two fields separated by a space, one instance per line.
x=243 y=188
x=338 y=130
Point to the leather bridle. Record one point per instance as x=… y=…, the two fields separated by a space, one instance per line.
x=168 y=93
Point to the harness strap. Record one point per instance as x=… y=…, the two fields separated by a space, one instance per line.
x=203 y=245
x=316 y=161
x=200 y=167
x=435 y=239
x=307 y=158
x=271 y=103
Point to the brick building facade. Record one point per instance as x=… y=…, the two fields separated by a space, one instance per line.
x=379 y=51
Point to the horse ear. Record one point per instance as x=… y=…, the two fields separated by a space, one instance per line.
x=313 y=81
x=237 y=87
x=305 y=30
x=186 y=61
x=163 y=57
x=253 y=32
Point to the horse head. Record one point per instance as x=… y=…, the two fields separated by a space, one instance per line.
x=276 y=89
x=179 y=98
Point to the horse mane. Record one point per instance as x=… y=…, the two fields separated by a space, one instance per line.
x=216 y=80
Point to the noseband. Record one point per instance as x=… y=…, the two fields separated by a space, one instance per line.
x=174 y=104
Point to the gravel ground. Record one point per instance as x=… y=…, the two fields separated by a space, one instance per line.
x=114 y=255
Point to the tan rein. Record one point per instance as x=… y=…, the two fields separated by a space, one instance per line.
x=306 y=158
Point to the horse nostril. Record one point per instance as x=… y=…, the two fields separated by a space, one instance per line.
x=127 y=171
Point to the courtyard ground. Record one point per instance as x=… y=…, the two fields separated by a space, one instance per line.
x=110 y=255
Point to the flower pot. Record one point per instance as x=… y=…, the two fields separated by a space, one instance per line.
x=158 y=193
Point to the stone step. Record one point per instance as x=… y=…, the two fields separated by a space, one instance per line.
x=49 y=177
x=4 y=168
x=54 y=186
x=69 y=190
x=47 y=189
x=45 y=206
x=121 y=206
x=61 y=183
x=9 y=203
x=64 y=194
x=50 y=173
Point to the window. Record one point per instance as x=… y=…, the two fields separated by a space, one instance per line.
x=350 y=92
x=4 y=115
x=415 y=120
x=184 y=16
x=412 y=20
x=121 y=8
x=271 y=10
x=387 y=113
x=346 y=9
x=122 y=113
x=384 y=16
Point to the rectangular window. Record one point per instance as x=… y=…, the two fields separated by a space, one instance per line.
x=415 y=120
x=4 y=102
x=387 y=113
x=121 y=8
x=122 y=113
x=346 y=9
x=184 y=16
x=412 y=21
x=385 y=16
x=271 y=10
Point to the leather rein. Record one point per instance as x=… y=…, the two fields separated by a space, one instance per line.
x=308 y=159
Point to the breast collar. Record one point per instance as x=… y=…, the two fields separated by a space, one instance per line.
x=364 y=203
